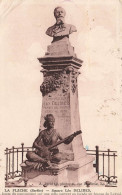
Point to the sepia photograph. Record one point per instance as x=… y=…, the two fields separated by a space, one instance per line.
x=61 y=85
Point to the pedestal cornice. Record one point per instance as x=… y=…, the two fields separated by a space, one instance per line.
x=53 y=62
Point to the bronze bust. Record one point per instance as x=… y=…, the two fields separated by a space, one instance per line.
x=60 y=28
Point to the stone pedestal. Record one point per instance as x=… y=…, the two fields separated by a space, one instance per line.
x=70 y=173
x=60 y=98
x=60 y=48
x=60 y=68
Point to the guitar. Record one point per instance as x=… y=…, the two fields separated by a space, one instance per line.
x=47 y=151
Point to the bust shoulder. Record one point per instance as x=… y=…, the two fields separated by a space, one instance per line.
x=72 y=28
x=49 y=31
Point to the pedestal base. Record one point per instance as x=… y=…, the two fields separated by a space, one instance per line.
x=70 y=173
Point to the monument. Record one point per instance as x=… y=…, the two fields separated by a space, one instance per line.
x=60 y=68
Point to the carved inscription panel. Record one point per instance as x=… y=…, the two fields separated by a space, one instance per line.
x=59 y=106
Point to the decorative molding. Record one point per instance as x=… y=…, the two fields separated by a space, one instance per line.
x=74 y=84
x=59 y=79
x=74 y=74
x=54 y=81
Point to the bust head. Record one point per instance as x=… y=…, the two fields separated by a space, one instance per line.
x=59 y=14
x=60 y=29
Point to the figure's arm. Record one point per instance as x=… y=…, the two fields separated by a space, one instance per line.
x=68 y=140
x=35 y=143
x=59 y=136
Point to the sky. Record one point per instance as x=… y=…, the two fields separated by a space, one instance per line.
x=97 y=42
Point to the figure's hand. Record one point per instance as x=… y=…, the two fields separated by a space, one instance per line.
x=69 y=139
x=44 y=161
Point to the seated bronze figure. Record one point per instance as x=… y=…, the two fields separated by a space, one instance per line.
x=46 y=139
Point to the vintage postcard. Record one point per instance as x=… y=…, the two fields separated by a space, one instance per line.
x=61 y=85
